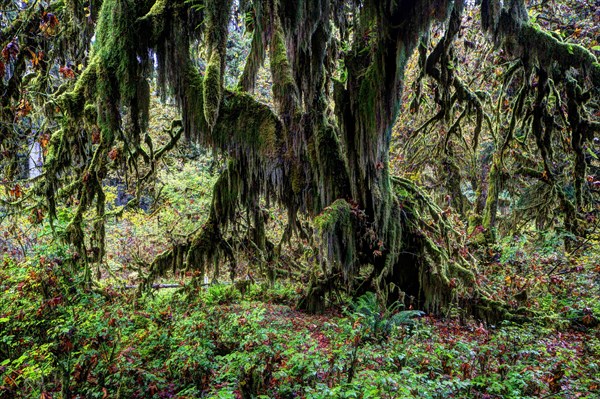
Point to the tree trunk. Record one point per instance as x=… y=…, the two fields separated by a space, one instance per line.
x=370 y=226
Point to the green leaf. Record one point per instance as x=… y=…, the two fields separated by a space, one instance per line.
x=4 y=319
x=596 y=48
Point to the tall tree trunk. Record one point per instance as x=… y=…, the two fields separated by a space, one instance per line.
x=369 y=225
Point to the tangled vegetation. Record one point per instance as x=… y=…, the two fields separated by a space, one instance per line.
x=338 y=72
x=378 y=158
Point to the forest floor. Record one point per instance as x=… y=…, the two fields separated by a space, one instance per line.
x=58 y=341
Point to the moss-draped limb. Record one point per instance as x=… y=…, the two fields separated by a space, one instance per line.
x=244 y=127
x=535 y=44
x=217 y=20
x=337 y=225
x=208 y=244
x=510 y=26
x=113 y=80
x=257 y=55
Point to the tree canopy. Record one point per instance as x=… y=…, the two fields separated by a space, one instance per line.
x=78 y=77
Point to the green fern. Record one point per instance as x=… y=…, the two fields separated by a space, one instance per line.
x=379 y=320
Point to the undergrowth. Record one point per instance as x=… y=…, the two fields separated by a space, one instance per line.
x=64 y=341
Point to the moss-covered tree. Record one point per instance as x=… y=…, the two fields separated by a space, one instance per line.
x=338 y=74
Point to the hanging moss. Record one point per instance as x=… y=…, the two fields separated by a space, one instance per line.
x=257 y=54
x=368 y=94
x=154 y=20
x=212 y=91
x=284 y=87
x=247 y=127
x=327 y=155
x=191 y=102
x=217 y=20
x=114 y=45
x=280 y=66
x=337 y=229
x=168 y=261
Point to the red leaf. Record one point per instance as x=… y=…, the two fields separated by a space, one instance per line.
x=95 y=135
x=24 y=108
x=113 y=154
x=66 y=72
x=16 y=192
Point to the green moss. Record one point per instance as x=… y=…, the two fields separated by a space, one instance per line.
x=74 y=101
x=157 y=9
x=115 y=45
x=298 y=179
x=156 y=18
x=247 y=126
x=217 y=19
x=338 y=213
x=212 y=91
x=279 y=61
x=284 y=87
x=90 y=113
x=55 y=147
x=491 y=202
x=269 y=138
x=369 y=98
